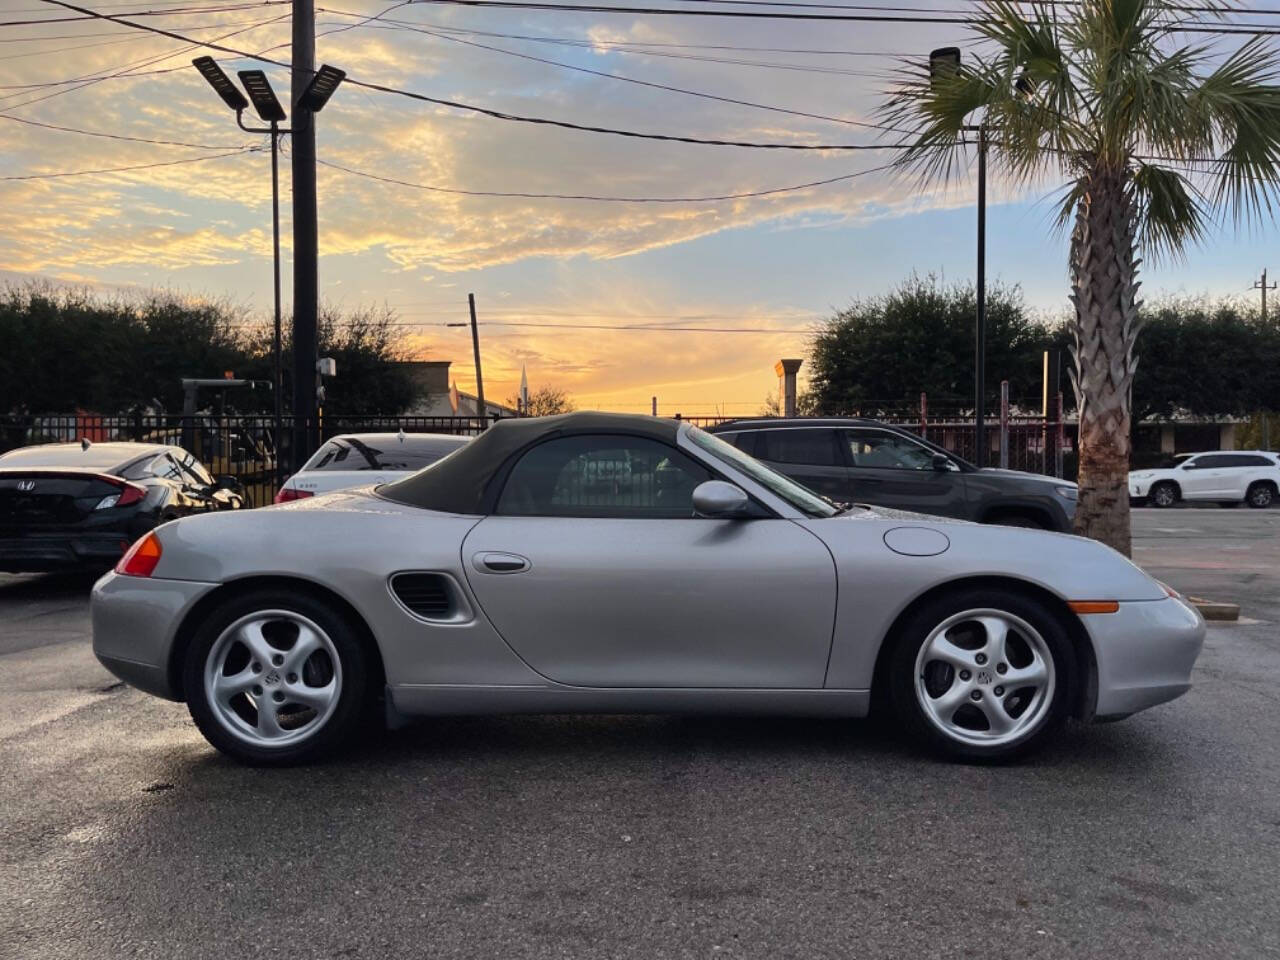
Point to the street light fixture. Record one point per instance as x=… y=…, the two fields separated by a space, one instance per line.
x=267 y=105
x=263 y=97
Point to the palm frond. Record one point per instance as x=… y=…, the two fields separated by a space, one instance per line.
x=1172 y=214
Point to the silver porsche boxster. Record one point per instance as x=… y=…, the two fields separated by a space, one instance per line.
x=530 y=572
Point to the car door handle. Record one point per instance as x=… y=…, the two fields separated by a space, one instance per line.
x=500 y=563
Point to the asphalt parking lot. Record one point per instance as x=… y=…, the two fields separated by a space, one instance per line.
x=126 y=835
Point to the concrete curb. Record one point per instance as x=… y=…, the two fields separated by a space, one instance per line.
x=1216 y=611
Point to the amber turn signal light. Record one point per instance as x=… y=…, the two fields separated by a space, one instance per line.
x=1093 y=606
x=140 y=560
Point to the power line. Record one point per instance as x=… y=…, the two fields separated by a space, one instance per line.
x=651 y=84
x=675 y=12
x=119 y=136
x=132 y=167
x=644 y=51
x=174 y=12
x=603 y=199
x=90 y=80
x=496 y=114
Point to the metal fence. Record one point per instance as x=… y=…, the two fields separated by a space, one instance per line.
x=246 y=446
x=242 y=446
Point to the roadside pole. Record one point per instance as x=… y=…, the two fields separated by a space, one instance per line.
x=306 y=253
x=1004 y=424
x=482 y=410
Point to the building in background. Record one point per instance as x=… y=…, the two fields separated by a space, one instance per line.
x=439 y=396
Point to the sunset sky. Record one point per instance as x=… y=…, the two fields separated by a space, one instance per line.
x=775 y=263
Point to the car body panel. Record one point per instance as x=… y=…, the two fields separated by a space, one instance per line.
x=877 y=584
x=690 y=615
x=575 y=614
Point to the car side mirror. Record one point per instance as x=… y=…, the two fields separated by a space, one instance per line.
x=718 y=500
x=941 y=463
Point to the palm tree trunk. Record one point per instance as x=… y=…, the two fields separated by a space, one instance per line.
x=1104 y=268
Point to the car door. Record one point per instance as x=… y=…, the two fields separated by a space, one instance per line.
x=808 y=455
x=1237 y=470
x=618 y=584
x=893 y=470
x=1200 y=478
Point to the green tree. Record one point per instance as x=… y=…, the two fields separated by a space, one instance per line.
x=68 y=349
x=1205 y=359
x=880 y=353
x=1102 y=95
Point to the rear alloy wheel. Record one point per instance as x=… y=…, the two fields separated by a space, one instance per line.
x=1163 y=495
x=275 y=680
x=1261 y=495
x=982 y=674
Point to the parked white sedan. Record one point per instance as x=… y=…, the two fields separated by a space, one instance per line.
x=1224 y=477
x=353 y=460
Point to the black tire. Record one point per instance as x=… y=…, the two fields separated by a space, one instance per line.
x=353 y=699
x=1163 y=495
x=1018 y=520
x=1261 y=495
x=901 y=676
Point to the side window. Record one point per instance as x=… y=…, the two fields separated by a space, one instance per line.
x=806 y=445
x=1247 y=460
x=1215 y=462
x=880 y=450
x=192 y=466
x=165 y=467
x=602 y=476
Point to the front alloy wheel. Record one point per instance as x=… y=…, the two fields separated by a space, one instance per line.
x=1164 y=495
x=982 y=674
x=984 y=677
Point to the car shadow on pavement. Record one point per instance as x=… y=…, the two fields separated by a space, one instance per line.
x=48 y=586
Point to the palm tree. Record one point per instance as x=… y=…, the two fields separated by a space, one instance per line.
x=1155 y=139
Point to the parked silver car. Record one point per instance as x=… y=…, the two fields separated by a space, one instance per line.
x=492 y=582
x=359 y=459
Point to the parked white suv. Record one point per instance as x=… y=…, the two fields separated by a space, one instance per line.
x=356 y=459
x=1227 y=476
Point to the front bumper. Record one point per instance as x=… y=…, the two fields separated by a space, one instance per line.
x=1145 y=653
x=1138 y=489
x=135 y=623
x=63 y=550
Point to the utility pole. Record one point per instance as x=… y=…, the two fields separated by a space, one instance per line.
x=306 y=250
x=1262 y=285
x=980 y=340
x=481 y=410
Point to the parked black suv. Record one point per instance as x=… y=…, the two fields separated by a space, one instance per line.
x=864 y=461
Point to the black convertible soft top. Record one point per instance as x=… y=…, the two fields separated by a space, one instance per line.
x=460 y=482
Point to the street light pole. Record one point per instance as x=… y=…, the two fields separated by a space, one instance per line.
x=278 y=348
x=310 y=101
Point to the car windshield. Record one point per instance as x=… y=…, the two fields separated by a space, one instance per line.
x=802 y=498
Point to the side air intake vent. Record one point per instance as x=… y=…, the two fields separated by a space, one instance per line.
x=428 y=595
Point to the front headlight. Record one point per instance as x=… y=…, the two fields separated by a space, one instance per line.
x=1143 y=475
x=1068 y=493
